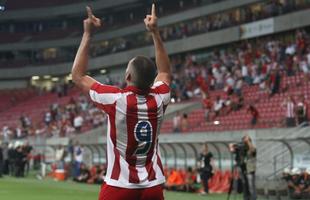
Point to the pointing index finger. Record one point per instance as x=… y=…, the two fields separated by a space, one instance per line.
x=89 y=12
x=153 y=10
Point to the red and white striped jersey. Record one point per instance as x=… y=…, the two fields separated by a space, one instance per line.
x=134 y=120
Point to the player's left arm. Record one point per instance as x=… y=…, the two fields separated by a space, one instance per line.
x=80 y=64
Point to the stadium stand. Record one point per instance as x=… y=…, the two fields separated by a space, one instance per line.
x=171 y=32
x=18 y=5
x=230 y=76
x=247 y=85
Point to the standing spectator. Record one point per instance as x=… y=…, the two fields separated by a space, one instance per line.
x=207 y=105
x=184 y=122
x=60 y=157
x=47 y=118
x=5 y=150
x=218 y=105
x=78 y=122
x=1 y=161
x=205 y=167
x=27 y=154
x=6 y=133
x=275 y=80
x=254 y=113
x=251 y=160
x=12 y=159
x=19 y=161
x=301 y=111
x=289 y=111
x=177 y=122
x=59 y=90
x=78 y=159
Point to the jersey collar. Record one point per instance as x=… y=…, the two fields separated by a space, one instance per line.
x=136 y=90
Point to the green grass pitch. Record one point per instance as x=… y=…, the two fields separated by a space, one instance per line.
x=32 y=189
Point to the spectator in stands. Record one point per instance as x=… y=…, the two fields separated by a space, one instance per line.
x=47 y=118
x=6 y=133
x=254 y=114
x=289 y=106
x=177 y=122
x=78 y=122
x=218 y=105
x=207 y=105
x=184 y=122
x=301 y=111
x=19 y=133
x=275 y=80
x=205 y=164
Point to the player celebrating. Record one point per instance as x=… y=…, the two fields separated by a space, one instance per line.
x=135 y=115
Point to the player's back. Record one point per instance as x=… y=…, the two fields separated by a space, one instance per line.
x=135 y=118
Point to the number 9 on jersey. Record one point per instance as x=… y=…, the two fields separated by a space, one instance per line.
x=143 y=134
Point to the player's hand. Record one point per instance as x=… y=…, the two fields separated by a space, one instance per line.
x=151 y=20
x=91 y=21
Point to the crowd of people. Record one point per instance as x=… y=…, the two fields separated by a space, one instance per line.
x=14 y=159
x=80 y=172
x=261 y=63
x=298 y=182
x=58 y=120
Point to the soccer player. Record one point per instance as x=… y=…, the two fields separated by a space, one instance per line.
x=135 y=114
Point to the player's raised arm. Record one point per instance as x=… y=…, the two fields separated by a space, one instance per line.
x=162 y=59
x=80 y=64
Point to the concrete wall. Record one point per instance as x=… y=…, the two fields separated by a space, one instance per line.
x=39 y=13
x=13 y=84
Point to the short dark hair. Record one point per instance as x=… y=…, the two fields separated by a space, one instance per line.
x=144 y=72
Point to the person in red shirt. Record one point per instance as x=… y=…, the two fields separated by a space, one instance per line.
x=207 y=105
x=254 y=113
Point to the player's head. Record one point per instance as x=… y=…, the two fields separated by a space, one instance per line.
x=140 y=72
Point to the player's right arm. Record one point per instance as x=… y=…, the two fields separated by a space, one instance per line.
x=162 y=58
x=80 y=64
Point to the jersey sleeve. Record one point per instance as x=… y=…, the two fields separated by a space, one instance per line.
x=104 y=94
x=163 y=90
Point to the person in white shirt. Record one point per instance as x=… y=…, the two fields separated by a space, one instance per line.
x=78 y=122
x=59 y=157
x=289 y=106
x=218 y=105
